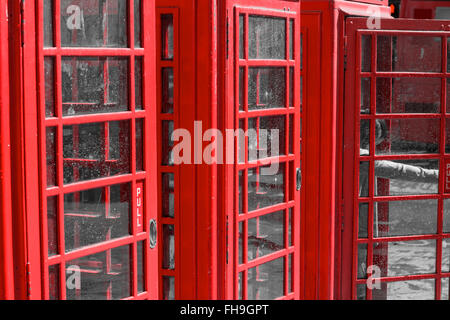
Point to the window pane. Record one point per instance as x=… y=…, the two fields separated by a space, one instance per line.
x=52 y=225
x=267 y=38
x=271 y=141
x=137 y=23
x=141 y=266
x=168 y=195
x=49 y=71
x=366 y=53
x=266 y=282
x=167 y=90
x=266 y=190
x=138 y=98
x=90 y=23
x=167 y=37
x=406 y=290
x=241 y=37
x=94 y=85
x=167 y=143
x=266 y=88
x=48 y=23
x=100 y=276
x=139 y=144
x=53 y=282
x=168 y=247
x=168 y=288
x=51 y=156
x=96 y=215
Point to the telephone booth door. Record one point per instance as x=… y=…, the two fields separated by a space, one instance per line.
x=96 y=120
x=396 y=159
x=263 y=92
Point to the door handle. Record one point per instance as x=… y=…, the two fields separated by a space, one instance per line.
x=299 y=179
x=153 y=233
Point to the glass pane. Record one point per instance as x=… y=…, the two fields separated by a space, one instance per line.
x=366 y=53
x=100 y=276
x=88 y=23
x=445 y=288
x=363 y=220
x=241 y=88
x=241 y=286
x=52 y=225
x=241 y=36
x=266 y=190
x=51 y=156
x=409 y=95
x=405 y=257
x=167 y=37
x=407 y=290
x=137 y=23
x=291 y=87
x=406 y=177
x=445 y=255
x=365 y=95
x=141 y=266
x=94 y=85
x=53 y=282
x=271 y=140
x=408 y=136
x=265 y=235
x=168 y=247
x=168 y=195
x=49 y=71
x=290 y=264
x=168 y=288
x=87 y=155
x=138 y=98
x=48 y=23
x=167 y=143
x=364 y=137
x=361 y=292
x=405 y=218
x=446 y=226
x=96 y=215
x=267 y=38
x=411 y=53
x=364 y=178
x=266 y=88
x=291 y=133
x=241 y=243
x=266 y=282
x=290 y=234
x=362 y=260
x=291 y=39
x=167 y=90
x=139 y=144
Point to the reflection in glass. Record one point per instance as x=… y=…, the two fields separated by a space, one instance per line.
x=168 y=288
x=241 y=36
x=406 y=290
x=362 y=260
x=48 y=23
x=137 y=23
x=88 y=156
x=363 y=220
x=405 y=218
x=94 y=85
x=406 y=257
x=168 y=197
x=266 y=88
x=96 y=215
x=365 y=95
x=167 y=90
x=445 y=255
x=50 y=147
x=167 y=37
x=167 y=143
x=265 y=235
x=168 y=247
x=267 y=37
x=49 y=74
x=266 y=137
x=366 y=53
x=265 y=190
x=52 y=225
x=407 y=177
x=139 y=144
x=266 y=282
x=103 y=276
x=140 y=266
x=138 y=98
x=100 y=24
x=53 y=282
x=445 y=288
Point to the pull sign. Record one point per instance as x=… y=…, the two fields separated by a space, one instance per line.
x=447 y=176
x=140 y=206
x=299 y=178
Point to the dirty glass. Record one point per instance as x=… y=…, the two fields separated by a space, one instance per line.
x=363 y=220
x=266 y=189
x=267 y=37
x=406 y=257
x=167 y=143
x=139 y=144
x=49 y=74
x=408 y=95
x=407 y=177
x=167 y=37
x=100 y=276
x=445 y=287
x=409 y=53
x=94 y=85
x=268 y=139
x=138 y=97
x=406 y=290
x=362 y=261
x=96 y=150
x=442 y=13
x=52 y=225
x=167 y=90
x=266 y=88
x=411 y=136
x=266 y=282
x=405 y=218
x=141 y=266
x=87 y=23
x=241 y=36
x=48 y=23
x=53 y=282
x=137 y=23
x=168 y=195
x=96 y=215
x=168 y=288
x=266 y=235
x=366 y=90
x=51 y=156
x=366 y=53
x=446 y=255
x=168 y=261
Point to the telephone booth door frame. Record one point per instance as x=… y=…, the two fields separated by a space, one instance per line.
x=366 y=65
x=127 y=173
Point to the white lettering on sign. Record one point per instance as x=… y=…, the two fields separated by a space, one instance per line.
x=74 y=21
x=139 y=206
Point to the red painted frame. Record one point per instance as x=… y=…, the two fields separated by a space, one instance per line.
x=229 y=177
x=34 y=248
x=355 y=28
x=408 y=6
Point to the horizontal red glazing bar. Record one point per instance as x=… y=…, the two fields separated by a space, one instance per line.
x=266 y=63
x=97 y=117
x=393 y=157
x=407 y=278
x=405 y=238
x=265 y=162
x=264 y=211
x=268 y=258
x=266 y=112
x=83 y=52
x=403 y=74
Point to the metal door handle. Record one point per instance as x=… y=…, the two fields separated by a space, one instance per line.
x=153 y=233
x=299 y=178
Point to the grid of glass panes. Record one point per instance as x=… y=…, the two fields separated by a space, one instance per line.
x=403 y=221
x=267 y=108
x=167 y=61
x=92 y=117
